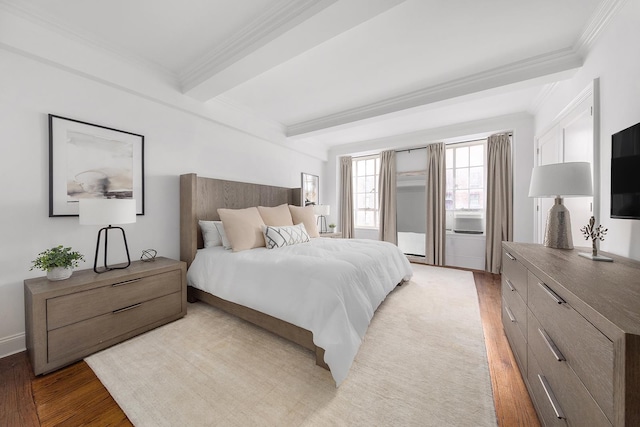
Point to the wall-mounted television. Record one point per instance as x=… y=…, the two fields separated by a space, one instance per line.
x=625 y=173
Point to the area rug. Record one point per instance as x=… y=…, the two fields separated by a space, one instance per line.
x=422 y=363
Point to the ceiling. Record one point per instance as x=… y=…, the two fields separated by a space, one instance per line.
x=333 y=72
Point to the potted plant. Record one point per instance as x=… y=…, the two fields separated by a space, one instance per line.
x=332 y=227
x=58 y=262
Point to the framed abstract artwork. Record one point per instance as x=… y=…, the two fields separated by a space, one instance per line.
x=92 y=161
x=310 y=189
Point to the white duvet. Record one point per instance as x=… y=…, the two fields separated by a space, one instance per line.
x=330 y=287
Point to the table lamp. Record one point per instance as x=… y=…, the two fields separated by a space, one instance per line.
x=108 y=212
x=560 y=180
x=322 y=211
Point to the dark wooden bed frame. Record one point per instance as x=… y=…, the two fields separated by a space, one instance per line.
x=199 y=200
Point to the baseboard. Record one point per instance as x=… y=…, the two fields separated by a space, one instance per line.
x=12 y=344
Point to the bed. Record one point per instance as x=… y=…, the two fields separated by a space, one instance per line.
x=280 y=289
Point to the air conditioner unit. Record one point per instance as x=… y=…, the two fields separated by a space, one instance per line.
x=469 y=222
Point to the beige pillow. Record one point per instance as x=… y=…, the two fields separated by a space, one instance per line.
x=278 y=216
x=304 y=215
x=243 y=228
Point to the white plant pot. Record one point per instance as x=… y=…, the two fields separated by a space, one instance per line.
x=59 y=273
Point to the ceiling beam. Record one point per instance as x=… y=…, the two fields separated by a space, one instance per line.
x=289 y=29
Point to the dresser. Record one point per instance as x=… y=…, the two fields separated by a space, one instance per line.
x=574 y=327
x=69 y=319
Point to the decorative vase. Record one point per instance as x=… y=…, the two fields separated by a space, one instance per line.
x=59 y=273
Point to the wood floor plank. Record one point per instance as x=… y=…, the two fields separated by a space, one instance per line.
x=74 y=396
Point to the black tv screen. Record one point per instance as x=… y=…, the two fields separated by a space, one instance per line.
x=625 y=173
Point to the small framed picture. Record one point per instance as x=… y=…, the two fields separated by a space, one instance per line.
x=310 y=189
x=92 y=161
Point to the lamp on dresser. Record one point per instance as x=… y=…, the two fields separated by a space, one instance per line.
x=558 y=180
x=322 y=211
x=107 y=212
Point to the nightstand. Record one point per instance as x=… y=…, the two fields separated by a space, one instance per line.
x=335 y=235
x=73 y=318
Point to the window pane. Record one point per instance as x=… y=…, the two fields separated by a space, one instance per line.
x=476 y=199
x=450 y=182
x=361 y=170
x=462 y=157
x=462 y=179
x=360 y=184
x=371 y=167
x=462 y=199
x=476 y=155
x=448 y=200
x=476 y=177
x=360 y=217
x=370 y=184
x=449 y=158
x=361 y=201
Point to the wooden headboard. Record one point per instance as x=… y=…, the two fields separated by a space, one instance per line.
x=200 y=198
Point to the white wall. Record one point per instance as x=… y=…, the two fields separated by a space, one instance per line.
x=522 y=126
x=176 y=142
x=615 y=61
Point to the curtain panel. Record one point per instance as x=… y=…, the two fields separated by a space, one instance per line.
x=435 y=195
x=387 y=194
x=346 y=197
x=499 y=199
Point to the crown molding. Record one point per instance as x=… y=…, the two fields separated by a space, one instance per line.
x=553 y=62
x=542 y=97
x=602 y=16
x=278 y=19
x=26 y=11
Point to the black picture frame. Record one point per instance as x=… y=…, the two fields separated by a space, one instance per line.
x=87 y=160
x=309 y=189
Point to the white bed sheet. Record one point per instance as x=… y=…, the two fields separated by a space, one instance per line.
x=330 y=287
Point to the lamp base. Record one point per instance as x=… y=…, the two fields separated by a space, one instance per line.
x=558 y=228
x=322 y=224
x=107 y=267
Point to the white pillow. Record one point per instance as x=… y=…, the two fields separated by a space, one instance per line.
x=223 y=235
x=277 y=237
x=210 y=234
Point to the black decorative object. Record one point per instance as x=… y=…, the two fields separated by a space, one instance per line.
x=148 y=255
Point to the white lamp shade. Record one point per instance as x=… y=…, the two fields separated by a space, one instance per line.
x=571 y=179
x=107 y=211
x=322 y=210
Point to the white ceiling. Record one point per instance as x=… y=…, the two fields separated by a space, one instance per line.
x=340 y=71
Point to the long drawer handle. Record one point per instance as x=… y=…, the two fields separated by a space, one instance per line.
x=126 y=282
x=510 y=285
x=552 y=294
x=551 y=397
x=552 y=346
x=511 y=257
x=131 y=307
x=511 y=317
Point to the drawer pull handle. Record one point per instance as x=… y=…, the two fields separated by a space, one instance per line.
x=511 y=317
x=552 y=346
x=511 y=257
x=131 y=307
x=510 y=285
x=552 y=294
x=126 y=282
x=551 y=397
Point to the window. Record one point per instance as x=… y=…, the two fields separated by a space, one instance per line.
x=465 y=195
x=365 y=191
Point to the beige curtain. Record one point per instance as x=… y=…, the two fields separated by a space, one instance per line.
x=499 y=199
x=435 y=194
x=346 y=197
x=387 y=194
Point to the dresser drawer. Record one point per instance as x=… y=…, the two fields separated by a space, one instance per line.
x=75 y=338
x=516 y=339
x=577 y=404
x=543 y=395
x=587 y=351
x=515 y=273
x=516 y=306
x=68 y=309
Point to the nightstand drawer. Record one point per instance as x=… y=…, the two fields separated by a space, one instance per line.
x=75 y=338
x=515 y=273
x=69 y=309
x=587 y=351
x=579 y=407
x=517 y=307
x=516 y=339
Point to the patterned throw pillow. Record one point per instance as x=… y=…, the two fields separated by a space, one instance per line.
x=277 y=237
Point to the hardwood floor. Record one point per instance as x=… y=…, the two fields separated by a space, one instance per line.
x=74 y=396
